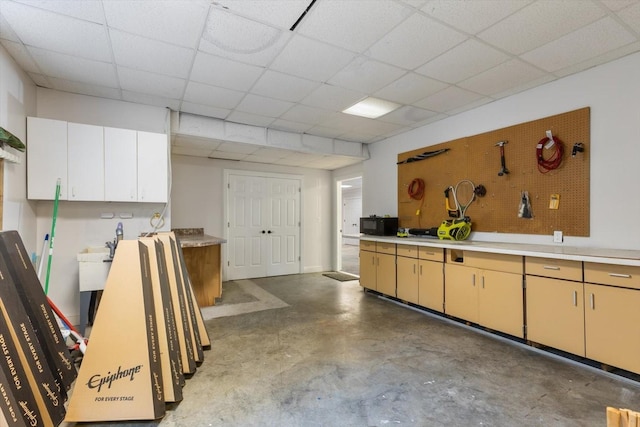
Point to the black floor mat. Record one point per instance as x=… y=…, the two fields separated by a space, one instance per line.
x=343 y=277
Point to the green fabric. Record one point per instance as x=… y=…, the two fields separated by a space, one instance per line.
x=10 y=139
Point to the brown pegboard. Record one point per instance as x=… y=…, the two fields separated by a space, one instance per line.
x=477 y=158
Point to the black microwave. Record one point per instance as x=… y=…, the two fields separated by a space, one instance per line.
x=379 y=226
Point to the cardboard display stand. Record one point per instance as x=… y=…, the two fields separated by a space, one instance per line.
x=22 y=350
x=120 y=377
x=172 y=376
x=37 y=308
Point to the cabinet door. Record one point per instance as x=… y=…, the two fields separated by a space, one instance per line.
x=461 y=292
x=407 y=282
x=120 y=165
x=46 y=158
x=152 y=167
x=85 y=162
x=555 y=313
x=611 y=326
x=431 y=285
x=386 y=274
x=368 y=270
x=500 y=302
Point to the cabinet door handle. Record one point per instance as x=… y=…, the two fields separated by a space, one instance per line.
x=575 y=298
x=429 y=253
x=377 y=261
x=473 y=279
x=421 y=270
x=414 y=269
x=482 y=282
x=551 y=267
x=592 y=300
x=624 y=276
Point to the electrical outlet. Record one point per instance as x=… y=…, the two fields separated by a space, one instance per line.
x=557 y=237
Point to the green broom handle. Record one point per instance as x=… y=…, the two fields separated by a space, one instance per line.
x=51 y=236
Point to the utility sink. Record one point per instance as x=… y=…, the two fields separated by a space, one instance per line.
x=93 y=268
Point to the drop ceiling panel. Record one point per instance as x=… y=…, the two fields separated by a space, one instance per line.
x=190 y=151
x=311 y=59
x=501 y=78
x=212 y=96
x=273 y=84
x=408 y=115
x=448 y=99
x=21 y=56
x=279 y=13
x=366 y=75
x=416 y=41
x=539 y=23
x=73 y=68
x=204 y=110
x=263 y=106
x=87 y=10
x=410 y=88
x=305 y=114
x=147 y=99
x=6 y=32
x=226 y=155
x=206 y=144
x=472 y=16
x=221 y=72
x=237 y=148
x=631 y=16
x=150 y=83
x=463 y=61
x=333 y=98
x=290 y=126
x=618 y=4
x=85 y=88
x=176 y=22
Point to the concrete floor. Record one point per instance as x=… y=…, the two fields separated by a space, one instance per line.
x=350 y=257
x=337 y=356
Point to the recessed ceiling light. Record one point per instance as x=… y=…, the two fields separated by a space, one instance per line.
x=372 y=108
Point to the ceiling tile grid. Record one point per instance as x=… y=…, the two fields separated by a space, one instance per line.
x=241 y=61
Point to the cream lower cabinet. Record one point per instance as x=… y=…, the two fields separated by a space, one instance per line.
x=378 y=267
x=407 y=273
x=420 y=276
x=431 y=284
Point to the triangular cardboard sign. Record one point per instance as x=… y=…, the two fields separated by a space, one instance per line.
x=120 y=377
x=172 y=376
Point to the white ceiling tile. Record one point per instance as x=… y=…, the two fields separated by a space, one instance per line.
x=600 y=59
x=196 y=142
x=408 y=115
x=225 y=155
x=221 y=72
x=415 y=3
x=263 y=106
x=85 y=88
x=21 y=55
x=40 y=80
x=145 y=54
x=241 y=39
x=290 y=126
x=587 y=42
x=325 y=131
x=297 y=159
x=271 y=153
x=618 y=4
x=190 y=151
x=146 y=99
x=333 y=98
x=273 y=84
x=410 y=88
x=463 y=61
x=505 y=76
x=472 y=16
x=258 y=159
x=366 y=75
x=416 y=41
x=150 y=83
x=311 y=59
x=346 y=122
x=74 y=68
x=333 y=22
x=35 y=26
x=87 y=10
x=448 y=99
x=358 y=136
x=172 y=21
x=631 y=16
x=304 y=114
x=279 y=13
x=6 y=32
x=539 y=23
x=238 y=147
x=211 y=96
x=249 y=119
x=204 y=110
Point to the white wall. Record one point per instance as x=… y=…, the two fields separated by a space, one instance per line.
x=198 y=201
x=17 y=101
x=613 y=93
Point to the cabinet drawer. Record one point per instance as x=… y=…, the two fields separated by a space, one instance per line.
x=554 y=268
x=366 y=245
x=496 y=262
x=386 y=248
x=608 y=274
x=431 y=254
x=409 y=251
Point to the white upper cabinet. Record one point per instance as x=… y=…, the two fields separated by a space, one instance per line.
x=120 y=165
x=152 y=167
x=85 y=162
x=46 y=158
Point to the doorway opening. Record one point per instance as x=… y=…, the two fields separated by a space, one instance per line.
x=349 y=213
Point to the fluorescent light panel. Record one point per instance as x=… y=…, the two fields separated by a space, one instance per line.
x=372 y=108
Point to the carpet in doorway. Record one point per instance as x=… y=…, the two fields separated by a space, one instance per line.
x=343 y=277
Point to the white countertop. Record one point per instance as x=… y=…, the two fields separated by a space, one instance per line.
x=599 y=255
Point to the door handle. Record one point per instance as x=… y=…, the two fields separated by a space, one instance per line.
x=269 y=232
x=263 y=231
x=592 y=300
x=575 y=298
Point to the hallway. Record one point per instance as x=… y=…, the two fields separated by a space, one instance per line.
x=337 y=356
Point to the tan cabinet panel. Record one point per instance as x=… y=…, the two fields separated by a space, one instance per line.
x=556 y=268
x=386 y=274
x=367 y=245
x=368 y=269
x=431 y=285
x=496 y=262
x=432 y=254
x=386 y=248
x=616 y=275
x=461 y=293
x=611 y=324
x=500 y=302
x=555 y=314
x=409 y=251
x=407 y=283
